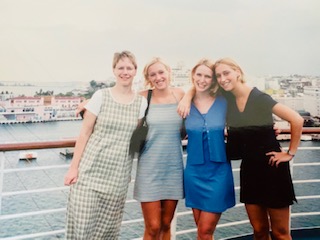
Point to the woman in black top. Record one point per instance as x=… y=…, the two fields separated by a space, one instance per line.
x=266 y=186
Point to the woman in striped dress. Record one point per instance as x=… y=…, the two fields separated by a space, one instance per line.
x=159 y=178
x=100 y=170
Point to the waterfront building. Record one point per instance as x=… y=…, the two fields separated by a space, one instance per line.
x=66 y=102
x=180 y=75
x=21 y=109
x=312 y=100
x=296 y=103
x=4 y=95
x=273 y=83
x=39 y=108
x=18 y=102
x=65 y=106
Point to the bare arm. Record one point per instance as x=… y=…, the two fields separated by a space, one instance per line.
x=86 y=131
x=185 y=103
x=296 y=124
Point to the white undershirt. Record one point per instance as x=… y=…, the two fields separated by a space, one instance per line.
x=94 y=104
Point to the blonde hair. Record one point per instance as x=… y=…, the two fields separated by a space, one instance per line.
x=124 y=54
x=210 y=64
x=147 y=83
x=231 y=63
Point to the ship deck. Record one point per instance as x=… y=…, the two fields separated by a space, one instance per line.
x=33 y=198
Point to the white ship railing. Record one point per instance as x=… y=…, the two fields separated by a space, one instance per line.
x=175 y=233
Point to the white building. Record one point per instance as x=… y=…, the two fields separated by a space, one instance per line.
x=296 y=103
x=65 y=106
x=42 y=108
x=69 y=103
x=180 y=75
x=272 y=83
x=18 y=102
x=312 y=100
x=5 y=96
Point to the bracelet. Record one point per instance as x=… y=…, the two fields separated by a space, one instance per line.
x=289 y=153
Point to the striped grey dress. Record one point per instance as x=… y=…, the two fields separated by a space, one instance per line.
x=96 y=201
x=160 y=168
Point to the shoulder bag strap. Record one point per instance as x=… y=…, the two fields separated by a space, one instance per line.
x=148 y=99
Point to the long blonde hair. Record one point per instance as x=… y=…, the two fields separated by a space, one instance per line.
x=210 y=64
x=233 y=64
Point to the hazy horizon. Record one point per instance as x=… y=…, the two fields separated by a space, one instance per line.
x=74 y=40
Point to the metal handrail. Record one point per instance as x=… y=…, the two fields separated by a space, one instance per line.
x=4 y=147
x=305 y=130
x=71 y=142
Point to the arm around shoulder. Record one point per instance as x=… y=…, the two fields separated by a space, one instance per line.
x=185 y=103
x=178 y=92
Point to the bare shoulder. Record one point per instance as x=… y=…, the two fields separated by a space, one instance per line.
x=178 y=92
x=144 y=93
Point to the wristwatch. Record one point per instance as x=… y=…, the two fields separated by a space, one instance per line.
x=291 y=154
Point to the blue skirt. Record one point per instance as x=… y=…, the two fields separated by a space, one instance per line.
x=209 y=187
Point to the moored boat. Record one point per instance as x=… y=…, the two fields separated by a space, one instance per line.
x=27 y=155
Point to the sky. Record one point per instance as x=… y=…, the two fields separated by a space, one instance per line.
x=74 y=40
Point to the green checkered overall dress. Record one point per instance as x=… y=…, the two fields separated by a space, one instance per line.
x=96 y=201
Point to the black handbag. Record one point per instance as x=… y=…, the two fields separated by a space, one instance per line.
x=183 y=130
x=139 y=135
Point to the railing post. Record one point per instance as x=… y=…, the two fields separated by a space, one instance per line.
x=291 y=170
x=173 y=226
x=1 y=177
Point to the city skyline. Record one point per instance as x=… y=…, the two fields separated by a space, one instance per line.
x=56 y=41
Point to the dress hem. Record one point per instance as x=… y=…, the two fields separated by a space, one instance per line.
x=157 y=199
x=211 y=211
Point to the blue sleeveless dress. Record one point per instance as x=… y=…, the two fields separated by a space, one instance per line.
x=160 y=167
x=208 y=179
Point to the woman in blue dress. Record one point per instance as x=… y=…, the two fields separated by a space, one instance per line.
x=208 y=180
